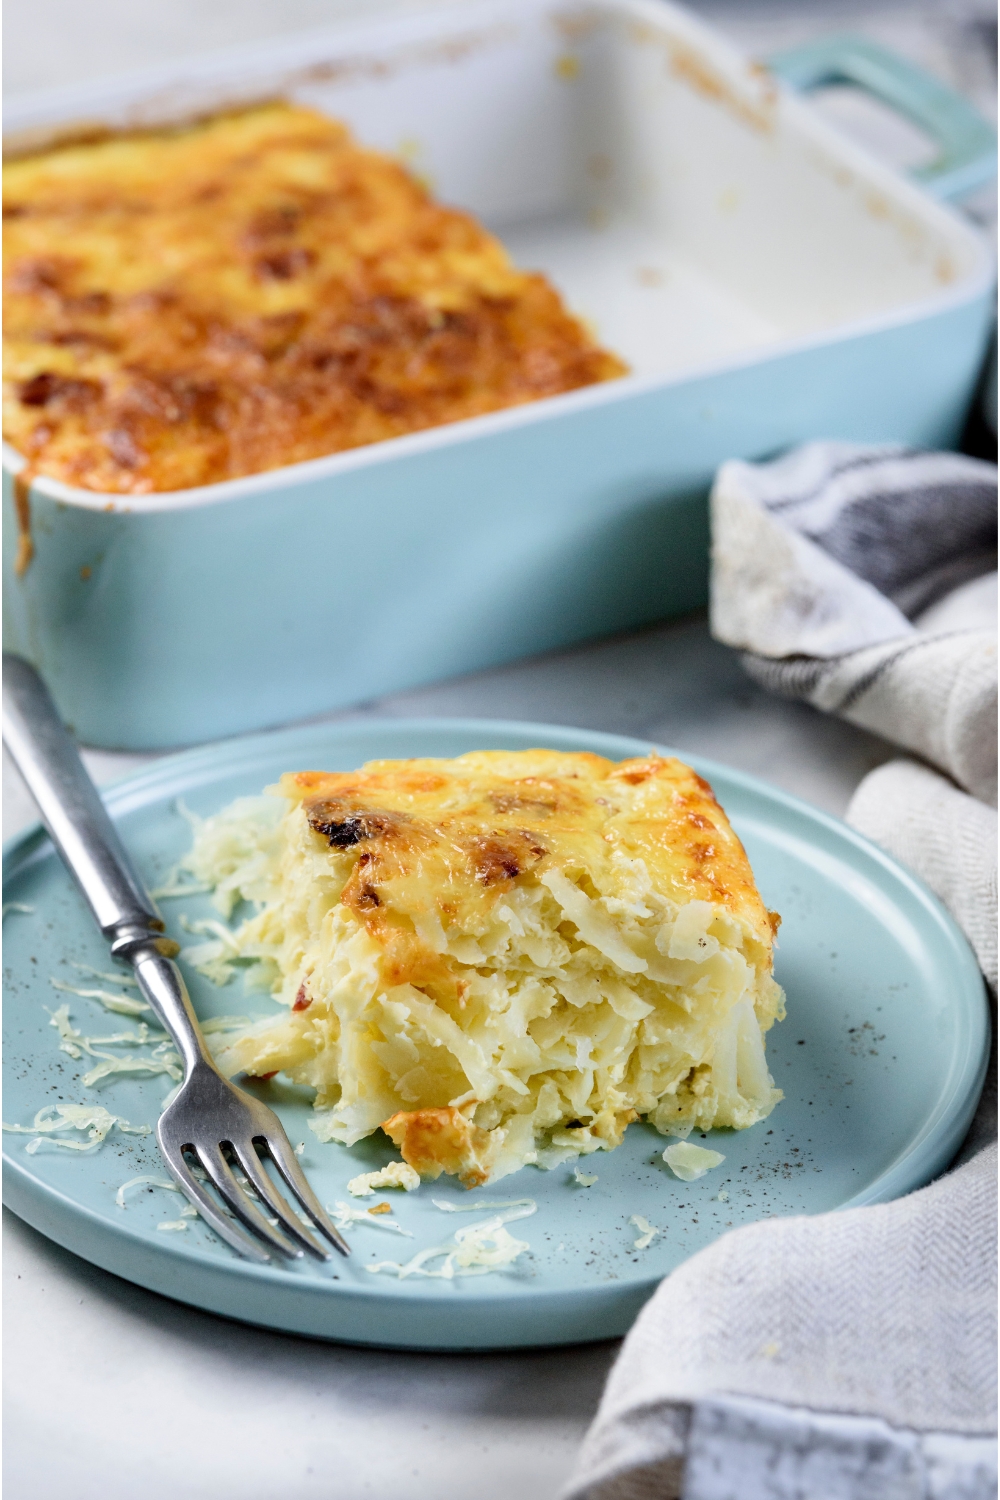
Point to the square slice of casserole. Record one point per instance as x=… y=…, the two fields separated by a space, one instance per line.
x=186 y=306
x=500 y=959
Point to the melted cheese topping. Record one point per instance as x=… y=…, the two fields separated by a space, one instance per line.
x=441 y=842
x=506 y=957
x=191 y=305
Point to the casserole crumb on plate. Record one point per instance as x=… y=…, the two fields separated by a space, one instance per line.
x=191 y=305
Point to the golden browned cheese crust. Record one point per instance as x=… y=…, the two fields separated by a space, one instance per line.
x=433 y=1141
x=459 y=833
x=193 y=305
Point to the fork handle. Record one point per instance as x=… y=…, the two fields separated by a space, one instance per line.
x=79 y=826
x=71 y=809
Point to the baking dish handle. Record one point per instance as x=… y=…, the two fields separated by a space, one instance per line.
x=967 y=144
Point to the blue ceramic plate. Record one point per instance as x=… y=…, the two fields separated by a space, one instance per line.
x=881 y=1060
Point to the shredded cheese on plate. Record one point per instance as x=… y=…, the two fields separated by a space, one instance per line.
x=396 y=1174
x=690 y=1162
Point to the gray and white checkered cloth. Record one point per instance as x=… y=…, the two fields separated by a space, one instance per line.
x=850 y=1356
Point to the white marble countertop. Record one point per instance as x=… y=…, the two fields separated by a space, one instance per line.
x=113 y=1392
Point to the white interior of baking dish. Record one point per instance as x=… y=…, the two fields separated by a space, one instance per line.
x=689 y=209
x=685 y=207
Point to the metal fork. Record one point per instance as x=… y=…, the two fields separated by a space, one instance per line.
x=210 y=1122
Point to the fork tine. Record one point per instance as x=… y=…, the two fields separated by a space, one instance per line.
x=283 y=1157
x=234 y=1197
x=209 y=1209
x=265 y=1189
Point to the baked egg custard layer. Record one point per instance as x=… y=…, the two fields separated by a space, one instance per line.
x=191 y=305
x=500 y=959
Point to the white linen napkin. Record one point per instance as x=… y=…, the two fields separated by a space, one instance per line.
x=849 y=1356
x=946 y=836
x=857 y=1346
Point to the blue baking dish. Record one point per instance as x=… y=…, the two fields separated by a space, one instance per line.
x=766 y=279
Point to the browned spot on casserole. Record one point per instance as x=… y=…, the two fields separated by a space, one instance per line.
x=343 y=828
x=497 y=857
x=433 y=1141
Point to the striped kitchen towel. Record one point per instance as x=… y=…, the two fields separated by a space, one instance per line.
x=863 y=581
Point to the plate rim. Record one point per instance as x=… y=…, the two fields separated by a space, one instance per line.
x=923 y=1156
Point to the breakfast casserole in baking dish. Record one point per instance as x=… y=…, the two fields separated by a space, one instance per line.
x=193 y=304
x=499 y=959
